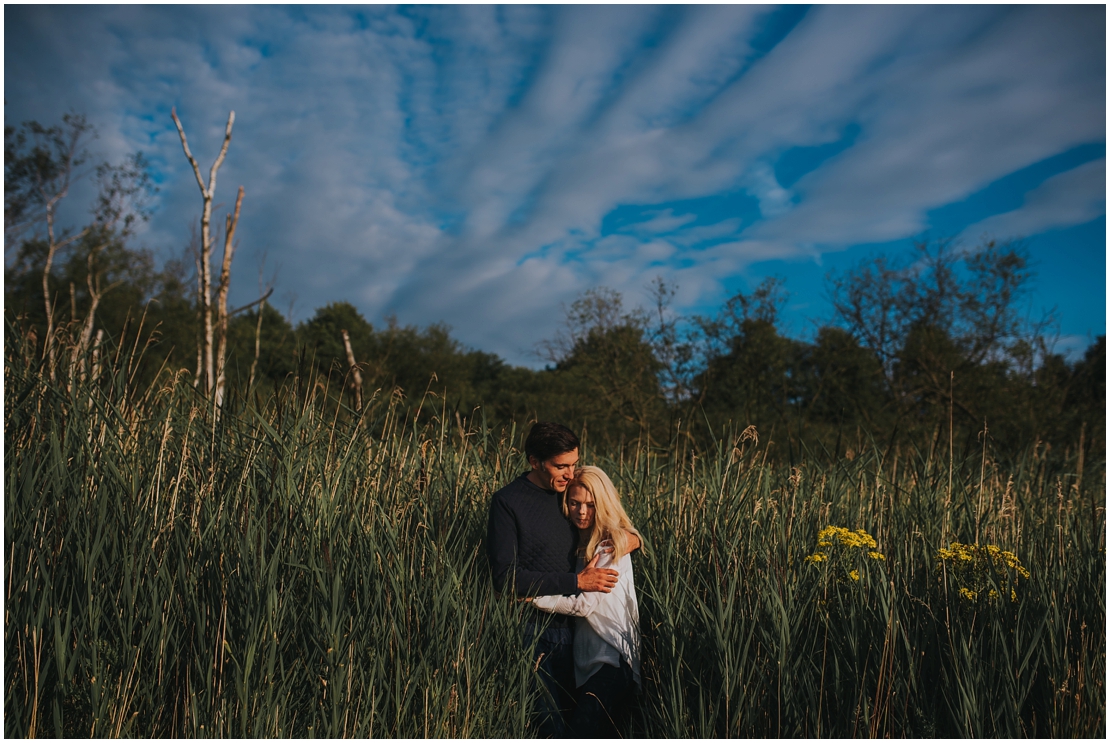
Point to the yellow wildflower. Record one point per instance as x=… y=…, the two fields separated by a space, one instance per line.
x=844 y=550
x=981 y=565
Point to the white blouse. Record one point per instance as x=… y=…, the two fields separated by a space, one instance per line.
x=608 y=628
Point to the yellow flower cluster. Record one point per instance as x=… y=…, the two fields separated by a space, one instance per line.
x=983 y=553
x=838 y=536
x=847 y=538
x=992 y=594
x=973 y=564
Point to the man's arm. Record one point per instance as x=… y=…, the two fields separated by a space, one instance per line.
x=584 y=603
x=501 y=543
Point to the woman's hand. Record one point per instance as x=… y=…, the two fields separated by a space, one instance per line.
x=606 y=545
x=634 y=542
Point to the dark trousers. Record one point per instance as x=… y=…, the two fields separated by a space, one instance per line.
x=604 y=703
x=554 y=659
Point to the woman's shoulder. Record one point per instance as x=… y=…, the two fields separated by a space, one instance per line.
x=625 y=563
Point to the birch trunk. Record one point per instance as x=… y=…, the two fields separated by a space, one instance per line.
x=200 y=323
x=206 y=192
x=257 y=344
x=96 y=354
x=221 y=299
x=92 y=279
x=356 y=374
x=51 y=250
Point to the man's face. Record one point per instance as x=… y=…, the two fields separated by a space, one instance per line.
x=554 y=473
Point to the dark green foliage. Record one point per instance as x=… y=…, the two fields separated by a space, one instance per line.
x=845 y=384
x=40 y=163
x=756 y=381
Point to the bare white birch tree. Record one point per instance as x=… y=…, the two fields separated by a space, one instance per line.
x=205 y=268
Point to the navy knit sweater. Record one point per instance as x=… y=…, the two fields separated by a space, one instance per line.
x=528 y=534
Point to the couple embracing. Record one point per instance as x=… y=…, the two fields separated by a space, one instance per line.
x=560 y=539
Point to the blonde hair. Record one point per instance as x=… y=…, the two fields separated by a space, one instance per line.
x=610 y=520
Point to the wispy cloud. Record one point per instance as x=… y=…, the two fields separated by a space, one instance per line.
x=1072 y=197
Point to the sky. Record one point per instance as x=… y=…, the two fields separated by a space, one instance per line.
x=482 y=166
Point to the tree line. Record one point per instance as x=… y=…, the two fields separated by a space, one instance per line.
x=929 y=349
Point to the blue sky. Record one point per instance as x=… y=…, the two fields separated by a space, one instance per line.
x=483 y=165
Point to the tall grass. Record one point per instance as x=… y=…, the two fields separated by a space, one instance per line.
x=290 y=568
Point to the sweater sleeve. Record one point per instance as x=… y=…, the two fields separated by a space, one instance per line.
x=502 y=539
x=582 y=605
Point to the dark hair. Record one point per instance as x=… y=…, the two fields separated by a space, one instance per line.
x=547 y=440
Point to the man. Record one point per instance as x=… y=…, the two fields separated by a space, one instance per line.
x=531 y=548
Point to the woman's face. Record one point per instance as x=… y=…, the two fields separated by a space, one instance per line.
x=580 y=503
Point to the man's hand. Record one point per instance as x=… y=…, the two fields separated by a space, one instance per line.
x=597 y=579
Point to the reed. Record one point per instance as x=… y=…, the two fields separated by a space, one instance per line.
x=290 y=567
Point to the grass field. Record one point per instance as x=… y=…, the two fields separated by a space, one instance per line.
x=290 y=569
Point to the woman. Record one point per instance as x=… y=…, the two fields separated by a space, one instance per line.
x=607 y=634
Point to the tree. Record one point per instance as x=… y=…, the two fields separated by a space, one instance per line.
x=723 y=336
x=41 y=164
x=751 y=382
x=261 y=349
x=604 y=353
x=969 y=295
x=214 y=320
x=322 y=335
x=669 y=336
x=845 y=383
x=1087 y=395
x=943 y=311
